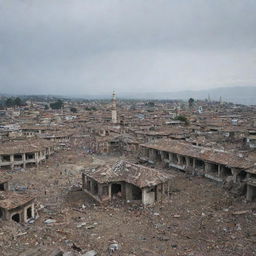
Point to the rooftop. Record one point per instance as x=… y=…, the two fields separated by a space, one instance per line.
x=11 y=200
x=204 y=153
x=137 y=175
x=23 y=146
x=4 y=178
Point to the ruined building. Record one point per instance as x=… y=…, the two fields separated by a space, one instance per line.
x=24 y=153
x=217 y=165
x=14 y=206
x=128 y=181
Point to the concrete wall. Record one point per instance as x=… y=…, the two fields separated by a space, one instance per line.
x=22 y=159
x=210 y=170
x=21 y=210
x=128 y=191
x=214 y=171
x=148 y=196
x=251 y=192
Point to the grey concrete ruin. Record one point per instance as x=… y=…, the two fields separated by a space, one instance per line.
x=17 y=154
x=128 y=181
x=16 y=207
x=217 y=165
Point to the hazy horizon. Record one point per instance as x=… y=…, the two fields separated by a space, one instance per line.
x=84 y=47
x=109 y=93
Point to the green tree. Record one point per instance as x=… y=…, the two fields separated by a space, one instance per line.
x=90 y=108
x=18 y=102
x=57 y=104
x=9 y=103
x=73 y=110
x=182 y=118
x=191 y=102
x=150 y=104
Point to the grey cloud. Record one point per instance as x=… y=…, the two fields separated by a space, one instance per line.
x=82 y=46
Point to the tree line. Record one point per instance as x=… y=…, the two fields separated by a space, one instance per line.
x=14 y=102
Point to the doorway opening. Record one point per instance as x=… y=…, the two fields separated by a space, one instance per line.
x=16 y=217
x=116 y=189
x=136 y=193
x=29 y=213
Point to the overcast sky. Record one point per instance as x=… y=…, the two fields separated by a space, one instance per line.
x=94 y=46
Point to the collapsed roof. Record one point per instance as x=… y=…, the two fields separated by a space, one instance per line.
x=204 y=153
x=4 y=178
x=11 y=200
x=135 y=174
x=24 y=146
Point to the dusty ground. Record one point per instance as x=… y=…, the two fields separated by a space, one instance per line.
x=198 y=219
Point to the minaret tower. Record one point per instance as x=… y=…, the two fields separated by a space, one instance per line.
x=221 y=102
x=113 y=110
x=209 y=98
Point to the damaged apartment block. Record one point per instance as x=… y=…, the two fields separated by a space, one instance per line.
x=128 y=181
x=24 y=154
x=217 y=165
x=14 y=206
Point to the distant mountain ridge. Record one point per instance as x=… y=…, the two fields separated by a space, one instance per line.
x=240 y=95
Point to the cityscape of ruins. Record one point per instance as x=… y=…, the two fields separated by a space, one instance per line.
x=127 y=177
x=127 y=128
